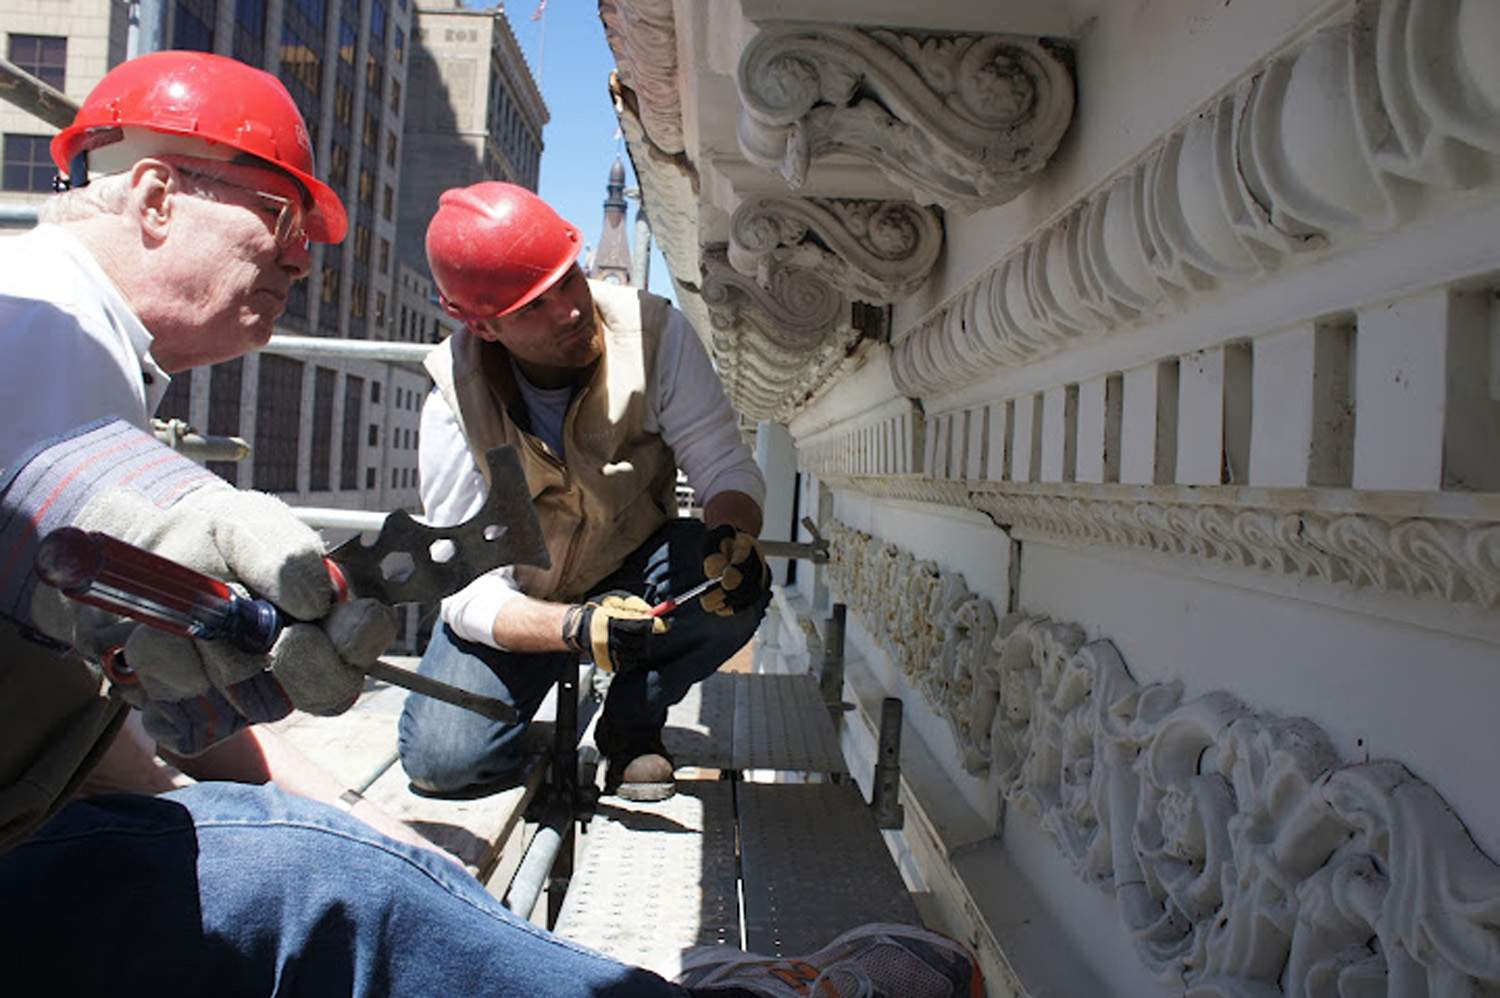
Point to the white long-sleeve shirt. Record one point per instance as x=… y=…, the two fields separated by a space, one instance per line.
x=685 y=403
x=74 y=351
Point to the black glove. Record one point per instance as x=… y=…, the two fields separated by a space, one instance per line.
x=616 y=630
x=736 y=556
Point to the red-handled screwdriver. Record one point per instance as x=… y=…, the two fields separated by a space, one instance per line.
x=673 y=602
x=106 y=572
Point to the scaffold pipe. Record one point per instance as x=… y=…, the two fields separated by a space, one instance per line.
x=320 y=348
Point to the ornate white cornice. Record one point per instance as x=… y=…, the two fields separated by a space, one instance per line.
x=778 y=343
x=1245 y=857
x=873 y=251
x=643 y=36
x=1322 y=143
x=964 y=121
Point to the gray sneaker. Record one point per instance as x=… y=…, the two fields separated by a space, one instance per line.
x=872 y=961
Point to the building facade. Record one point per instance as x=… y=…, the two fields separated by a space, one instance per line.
x=476 y=114
x=1139 y=362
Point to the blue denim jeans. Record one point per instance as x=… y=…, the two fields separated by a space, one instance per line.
x=227 y=889
x=447 y=749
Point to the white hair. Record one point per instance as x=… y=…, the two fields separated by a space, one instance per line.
x=106 y=195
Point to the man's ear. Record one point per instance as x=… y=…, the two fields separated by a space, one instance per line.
x=153 y=187
x=486 y=329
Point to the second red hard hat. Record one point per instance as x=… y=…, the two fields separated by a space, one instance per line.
x=213 y=99
x=495 y=247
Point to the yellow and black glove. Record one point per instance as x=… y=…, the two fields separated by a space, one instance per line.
x=734 y=555
x=616 y=630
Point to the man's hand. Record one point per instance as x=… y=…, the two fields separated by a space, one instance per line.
x=734 y=555
x=616 y=630
x=195 y=693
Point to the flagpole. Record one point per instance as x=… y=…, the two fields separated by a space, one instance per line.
x=541 y=42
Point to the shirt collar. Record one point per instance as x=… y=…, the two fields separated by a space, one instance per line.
x=121 y=315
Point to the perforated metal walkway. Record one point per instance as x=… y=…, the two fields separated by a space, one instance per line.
x=776 y=867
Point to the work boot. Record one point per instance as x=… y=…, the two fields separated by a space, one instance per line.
x=872 y=961
x=639 y=768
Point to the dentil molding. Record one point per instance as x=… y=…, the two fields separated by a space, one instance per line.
x=873 y=251
x=1329 y=140
x=1245 y=858
x=963 y=121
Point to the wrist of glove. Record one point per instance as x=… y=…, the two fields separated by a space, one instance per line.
x=736 y=557
x=616 y=630
x=194 y=693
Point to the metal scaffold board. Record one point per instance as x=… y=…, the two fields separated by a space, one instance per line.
x=780 y=723
x=699 y=729
x=657 y=879
x=813 y=865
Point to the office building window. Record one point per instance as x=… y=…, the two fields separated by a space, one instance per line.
x=388 y=202
x=322 y=430
x=302 y=34
x=374 y=437
x=369 y=478
x=354 y=400
x=375 y=393
x=390 y=148
x=332 y=292
x=28 y=164
x=380 y=308
x=250 y=31
x=176 y=404
x=43 y=56
x=385 y=256
x=278 y=414
x=396 y=96
x=225 y=382
x=193 y=25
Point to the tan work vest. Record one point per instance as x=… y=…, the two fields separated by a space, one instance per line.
x=617 y=485
x=55 y=723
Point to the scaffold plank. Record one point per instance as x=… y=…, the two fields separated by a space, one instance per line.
x=813 y=865
x=780 y=723
x=657 y=879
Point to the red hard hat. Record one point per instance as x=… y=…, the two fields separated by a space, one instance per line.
x=494 y=247
x=213 y=99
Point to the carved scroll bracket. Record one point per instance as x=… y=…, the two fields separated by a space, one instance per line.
x=873 y=251
x=775 y=344
x=964 y=121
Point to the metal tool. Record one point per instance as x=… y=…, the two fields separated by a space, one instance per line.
x=673 y=602
x=401 y=565
x=408 y=563
x=815 y=550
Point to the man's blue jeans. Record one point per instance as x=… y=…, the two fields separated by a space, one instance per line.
x=227 y=889
x=447 y=749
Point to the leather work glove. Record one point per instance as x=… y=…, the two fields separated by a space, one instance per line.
x=736 y=556
x=192 y=693
x=616 y=630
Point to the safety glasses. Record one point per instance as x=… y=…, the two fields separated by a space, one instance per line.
x=288 y=228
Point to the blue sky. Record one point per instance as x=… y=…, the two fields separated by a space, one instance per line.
x=571 y=62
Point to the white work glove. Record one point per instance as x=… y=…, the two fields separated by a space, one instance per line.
x=195 y=693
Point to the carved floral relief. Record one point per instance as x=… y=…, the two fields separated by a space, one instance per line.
x=1246 y=859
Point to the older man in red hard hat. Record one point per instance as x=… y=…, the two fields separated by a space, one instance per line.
x=606 y=392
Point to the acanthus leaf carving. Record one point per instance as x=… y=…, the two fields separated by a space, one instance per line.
x=874 y=251
x=965 y=121
x=1245 y=857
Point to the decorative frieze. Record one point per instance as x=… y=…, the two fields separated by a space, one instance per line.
x=873 y=251
x=1332 y=139
x=1244 y=856
x=1451 y=558
x=963 y=121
